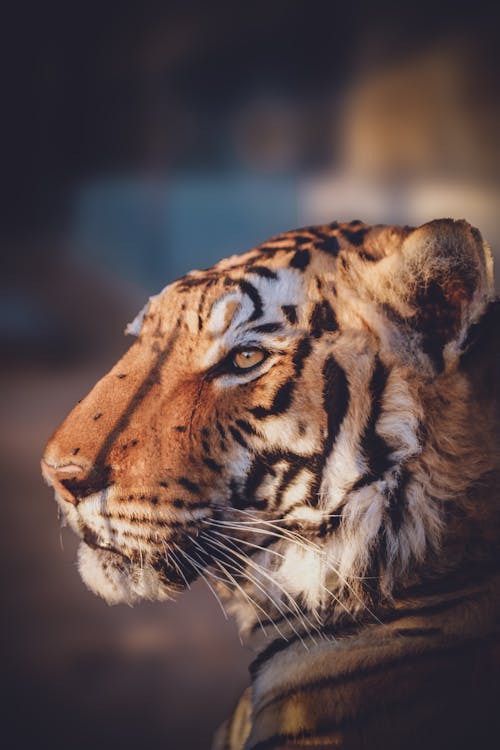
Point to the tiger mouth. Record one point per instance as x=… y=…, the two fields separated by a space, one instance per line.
x=91 y=539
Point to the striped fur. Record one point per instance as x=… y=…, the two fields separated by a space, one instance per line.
x=339 y=497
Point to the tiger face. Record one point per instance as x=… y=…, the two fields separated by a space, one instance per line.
x=268 y=429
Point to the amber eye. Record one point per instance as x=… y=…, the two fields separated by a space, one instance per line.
x=245 y=359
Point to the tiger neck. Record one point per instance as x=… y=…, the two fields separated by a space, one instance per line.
x=315 y=684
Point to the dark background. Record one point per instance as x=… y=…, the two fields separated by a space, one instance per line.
x=143 y=139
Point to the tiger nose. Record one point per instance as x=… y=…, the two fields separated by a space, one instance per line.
x=63 y=478
x=72 y=481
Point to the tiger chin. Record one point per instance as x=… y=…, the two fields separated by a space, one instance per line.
x=312 y=428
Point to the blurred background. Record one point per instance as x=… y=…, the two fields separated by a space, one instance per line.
x=144 y=139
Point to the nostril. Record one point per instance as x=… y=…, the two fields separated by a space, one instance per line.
x=97 y=480
x=73 y=483
x=58 y=475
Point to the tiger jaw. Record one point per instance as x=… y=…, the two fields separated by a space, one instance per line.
x=120 y=581
x=128 y=572
x=120 y=569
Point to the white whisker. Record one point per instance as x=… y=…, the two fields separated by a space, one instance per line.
x=200 y=571
x=231 y=578
x=179 y=568
x=287 y=535
x=261 y=571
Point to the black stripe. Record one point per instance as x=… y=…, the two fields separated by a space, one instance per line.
x=283 y=398
x=367 y=256
x=355 y=236
x=267 y=328
x=249 y=289
x=246 y=427
x=328 y=245
x=269 y=251
x=164 y=524
x=263 y=271
x=373 y=447
x=300 y=259
x=264 y=465
x=221 y=430
x=322 y=319
x=281 y=401
x=278 y=645
x=188 y=484
x=301 y=239
x=186 y=283
x=290 y=313
x=212 y=465
x=335 y=404
x=200 y=307
x=396 y=499
x=261 y=467
x=300 y=355
x=335 y=400
x=286 y=480
x=418 y=632
x=238 y=436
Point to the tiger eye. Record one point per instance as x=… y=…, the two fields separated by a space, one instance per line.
x=248 y=358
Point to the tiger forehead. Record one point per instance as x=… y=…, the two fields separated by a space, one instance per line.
x=248 y=286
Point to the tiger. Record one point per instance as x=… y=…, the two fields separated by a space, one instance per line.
x=311 y=428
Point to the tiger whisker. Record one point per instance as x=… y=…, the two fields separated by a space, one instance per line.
x=231 y=578
x=200 y=571
x=294 y=535
x=296 y=610
x=234 y=565
x=179 y=569
x=241 y=526
x=212 y=558
x=308 y=545
x=249 y=544
x=251 y=514
x=247 y=596
x=311 y=546
x=274 y=552
x=140 y=555
x=282 y=556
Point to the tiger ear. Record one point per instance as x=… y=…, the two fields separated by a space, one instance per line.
x=438 y=285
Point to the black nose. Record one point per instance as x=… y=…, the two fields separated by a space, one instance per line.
x=67 y=480
x=96 y=481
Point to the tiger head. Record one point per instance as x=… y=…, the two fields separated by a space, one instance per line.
x=296 y=425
